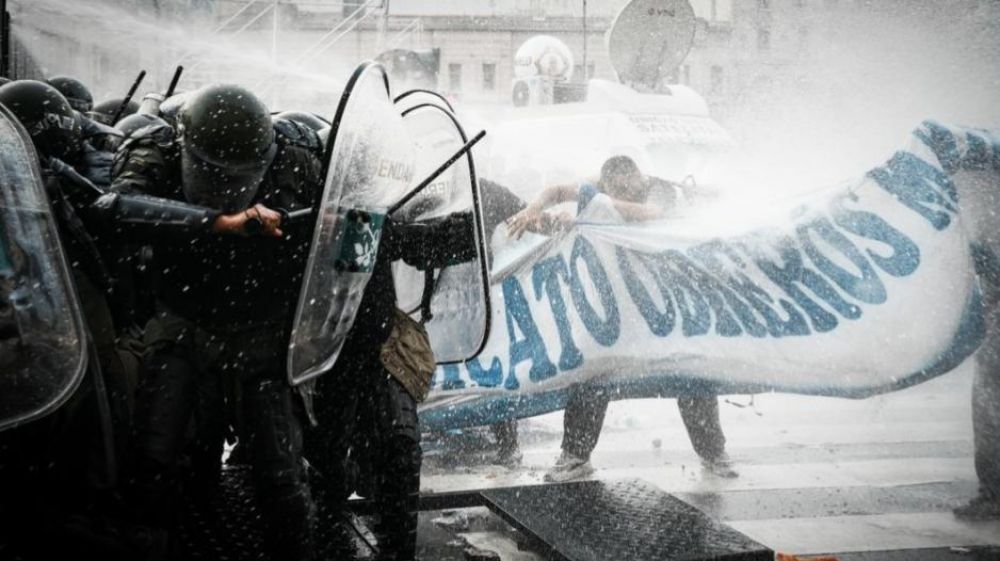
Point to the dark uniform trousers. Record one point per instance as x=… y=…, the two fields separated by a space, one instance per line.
x=587 y=406
x=183 y=379
x=364 y=413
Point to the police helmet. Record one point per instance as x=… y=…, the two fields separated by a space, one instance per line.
x=74 y=91
x=227 y=144
x=53 y=125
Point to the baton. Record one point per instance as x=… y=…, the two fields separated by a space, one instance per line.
x=128 y=97
x=434 y=175
x=173 y=82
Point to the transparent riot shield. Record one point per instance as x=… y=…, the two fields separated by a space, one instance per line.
x=42 y=337
x=370 y=163
x=412 y=98
x=457 y=317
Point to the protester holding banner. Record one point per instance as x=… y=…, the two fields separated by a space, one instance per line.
x=622 y=193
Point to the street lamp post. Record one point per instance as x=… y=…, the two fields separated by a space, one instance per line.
x=585 y=77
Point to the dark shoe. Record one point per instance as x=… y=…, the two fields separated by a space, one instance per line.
x=983 y=507
x=720 y=467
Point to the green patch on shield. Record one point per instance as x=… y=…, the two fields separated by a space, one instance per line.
x=360 y=234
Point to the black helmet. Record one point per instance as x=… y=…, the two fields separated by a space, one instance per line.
x=227 y=144
x=74 y=91
x=53 y=125
x=105 y=111
x=138 y=121
x=308 y=120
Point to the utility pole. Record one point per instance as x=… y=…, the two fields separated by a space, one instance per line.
x=274 y=53
x=383 y=33
x=585 y=76
x=5 y=41
x=274 y=34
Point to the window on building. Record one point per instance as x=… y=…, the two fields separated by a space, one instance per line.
x=578 y=72
x=763 y=39
x=455 y=77
x=716 y=80
x=489 y=77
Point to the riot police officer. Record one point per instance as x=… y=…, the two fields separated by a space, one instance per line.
x=367 y=407
x=75 y=452
x=223 y=305
x=69 y=460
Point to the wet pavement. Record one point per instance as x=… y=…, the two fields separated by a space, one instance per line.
x=872 y=479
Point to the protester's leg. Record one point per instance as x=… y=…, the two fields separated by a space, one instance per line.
x=279 y=475
x=701 y=419
x=505 y=433
x=582 y=423
x=583 y=420
x=704 y=428
x=400 y=459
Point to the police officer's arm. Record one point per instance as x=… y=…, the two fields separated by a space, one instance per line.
x=431 y=244
x=139 y=203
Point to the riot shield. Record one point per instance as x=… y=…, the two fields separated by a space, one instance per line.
x=454 y=300
x=412 y=98
x=42 y=337
x=369 y=164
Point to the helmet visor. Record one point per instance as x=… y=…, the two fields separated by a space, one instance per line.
x=224 y=186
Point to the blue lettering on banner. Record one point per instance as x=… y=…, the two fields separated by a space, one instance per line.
x=792 y=276
x=814 y=276
x=712 y=292
x=920 y=186
x=696 y=318
x=864 y=286
x=452 y=380
x=660 y=323
x=607 y=330
x=742 y=294
x=545 y=275
x=532 y=347
x=486 y=378
x=905 y=255
x=942 y=142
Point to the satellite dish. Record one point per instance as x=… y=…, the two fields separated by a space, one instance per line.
x=649 y=39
